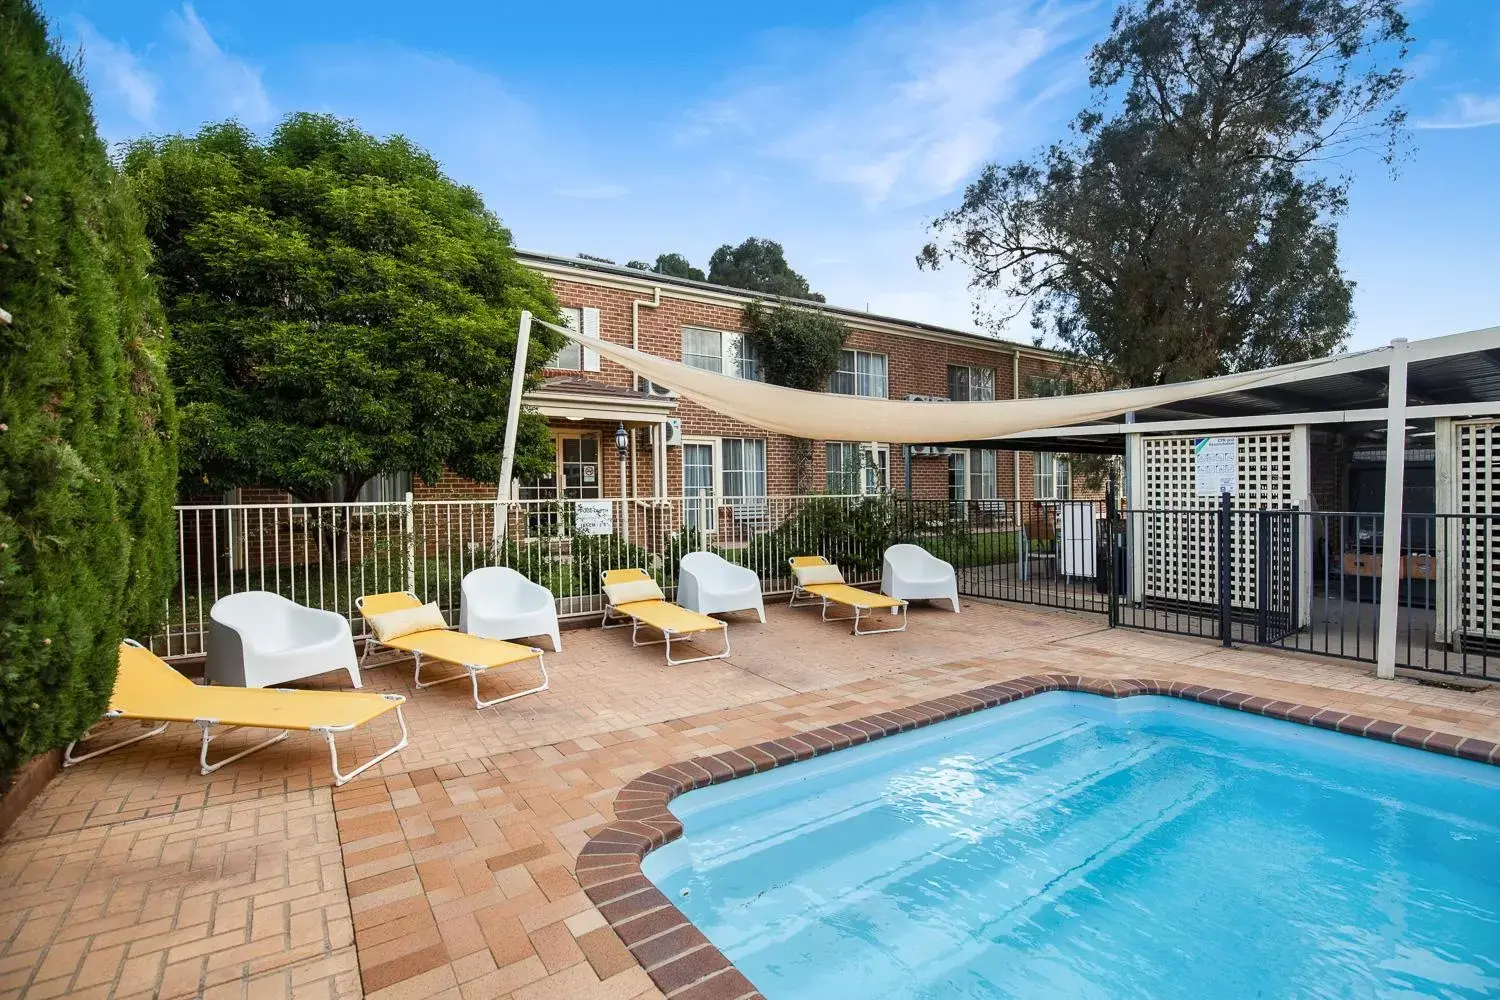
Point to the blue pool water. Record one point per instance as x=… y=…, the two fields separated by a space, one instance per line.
x=1069 y=845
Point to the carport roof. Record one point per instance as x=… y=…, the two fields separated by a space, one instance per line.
x=1446 y=376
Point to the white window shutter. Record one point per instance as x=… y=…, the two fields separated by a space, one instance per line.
x=590 y=329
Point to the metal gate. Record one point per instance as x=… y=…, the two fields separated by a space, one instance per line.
x=1278 y=578
x=1219 y=573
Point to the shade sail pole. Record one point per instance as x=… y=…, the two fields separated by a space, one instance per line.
x=1391 y=521
x=512 y=420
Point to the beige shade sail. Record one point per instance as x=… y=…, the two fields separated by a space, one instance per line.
x=833 y=417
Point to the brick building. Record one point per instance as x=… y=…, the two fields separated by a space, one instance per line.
x=677 y=448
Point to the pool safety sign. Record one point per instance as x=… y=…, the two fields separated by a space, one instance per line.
x=1216 y=464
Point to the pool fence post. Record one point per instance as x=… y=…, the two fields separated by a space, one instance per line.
x=1226 y=538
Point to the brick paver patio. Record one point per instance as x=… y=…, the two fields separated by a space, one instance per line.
x=450 y=872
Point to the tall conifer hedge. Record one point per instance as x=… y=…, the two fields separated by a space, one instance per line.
x=88 y=465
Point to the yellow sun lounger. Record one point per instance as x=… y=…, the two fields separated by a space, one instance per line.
x=672 y=621
x=149 y=690
x=862 y=602
x=475 y=654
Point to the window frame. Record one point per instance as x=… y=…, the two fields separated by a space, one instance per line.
x=572 y=317
x=763 y=473
x=388 y=487
x=855 y=374
x=1059 y=474
x=968 y=383
x=736 y=354
x=718 y=493
x=977 y=473
x=871 y=457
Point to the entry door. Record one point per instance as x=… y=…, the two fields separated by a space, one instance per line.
x=698 y=485
x=578 y=459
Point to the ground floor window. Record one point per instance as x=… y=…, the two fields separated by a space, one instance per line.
x=1052 y=477
x=731 y=469
x=982 y=482
x=854 y=467
x=971 y=475
x=744 y=468
x=385 y=487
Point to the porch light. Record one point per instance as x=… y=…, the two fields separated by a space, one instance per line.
x=622 y=440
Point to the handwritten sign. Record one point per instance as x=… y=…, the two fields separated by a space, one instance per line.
x=593 y=517
x=1216 y=465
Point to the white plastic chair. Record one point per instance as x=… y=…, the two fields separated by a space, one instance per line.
x=259 y=639
x=499 y=603
x=709 y=584
x=910 y=572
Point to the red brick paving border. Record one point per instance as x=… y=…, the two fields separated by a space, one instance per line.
x=685 y=965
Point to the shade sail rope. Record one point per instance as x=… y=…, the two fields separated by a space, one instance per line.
x=833 y=417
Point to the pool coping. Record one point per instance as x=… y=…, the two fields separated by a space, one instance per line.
x=685 y=965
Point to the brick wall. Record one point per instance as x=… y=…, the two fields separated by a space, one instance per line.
x=917 y=366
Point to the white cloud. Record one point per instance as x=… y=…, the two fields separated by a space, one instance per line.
x=234 y=85
x=1466 y=111
x=120 y=74
x=595 y=192
x=904 y=106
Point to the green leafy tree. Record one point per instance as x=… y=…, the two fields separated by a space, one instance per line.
x=87 y=452
x=673 y=265
x=798 y=348
x=1187 y=228
x=340 y=307
x=758 y=265
x=676 y=265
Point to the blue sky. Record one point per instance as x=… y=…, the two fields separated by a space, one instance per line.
x=839 y=128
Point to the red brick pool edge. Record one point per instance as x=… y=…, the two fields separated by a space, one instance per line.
x=685 y=965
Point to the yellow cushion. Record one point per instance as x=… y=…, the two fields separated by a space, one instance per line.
x=379 y=604
x=826 y=573
x=633 y=590
x=392 y=624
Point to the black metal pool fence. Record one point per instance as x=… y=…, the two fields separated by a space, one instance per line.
x=1307 y=581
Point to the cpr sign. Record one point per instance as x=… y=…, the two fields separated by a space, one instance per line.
x=1216 y=465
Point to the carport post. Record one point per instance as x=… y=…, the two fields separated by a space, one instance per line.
x=1390 y=531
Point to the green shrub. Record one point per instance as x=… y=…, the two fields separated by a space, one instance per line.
x=87 y=456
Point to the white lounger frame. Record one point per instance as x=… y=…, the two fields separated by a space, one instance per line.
x=804 y=598
x=470 y=670
x=621 y=619
x=207 y=726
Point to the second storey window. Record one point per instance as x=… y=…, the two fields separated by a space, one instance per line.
x=1048 y=385
x=861 y=373
x=571 y=355
x=725 y=352
x=971 y=383
x=574 y=356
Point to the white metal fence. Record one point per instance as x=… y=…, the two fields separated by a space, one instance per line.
x=328 y=555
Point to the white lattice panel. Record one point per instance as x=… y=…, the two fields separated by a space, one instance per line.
x=1477 y=482
x=1180 y=536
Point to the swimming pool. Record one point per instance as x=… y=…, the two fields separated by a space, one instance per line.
x=1068 y=845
